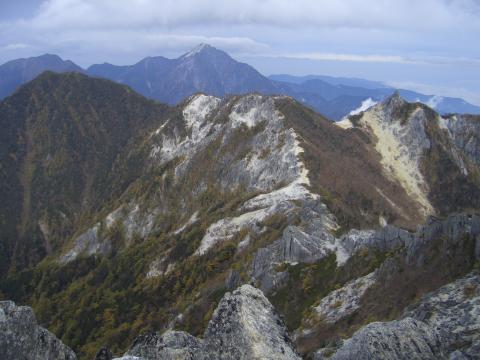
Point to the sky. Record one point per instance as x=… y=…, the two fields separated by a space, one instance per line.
x=431 y=46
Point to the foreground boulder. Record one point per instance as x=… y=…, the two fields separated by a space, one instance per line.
x=244 y=326
x=454 y=309
x=445 y=324
x=403 y=339
x=21 y=338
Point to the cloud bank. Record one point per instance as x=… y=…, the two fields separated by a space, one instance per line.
x=397 y=14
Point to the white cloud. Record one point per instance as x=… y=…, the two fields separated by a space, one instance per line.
x=15 y=46
x=352 y=57
x=431 y=89
x=375 y=58
x=244 y=27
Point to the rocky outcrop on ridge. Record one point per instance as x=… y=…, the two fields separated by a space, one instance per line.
x=344 y=301
x=426 y=153
x=22 y=339
x=244 y=326
x=390 y=238
x=314 y=243
x=465 y=133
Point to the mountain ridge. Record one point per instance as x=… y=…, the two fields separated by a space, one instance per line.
x=207 y=69
x=166 y=209
x=204 y=69
x=17 y=72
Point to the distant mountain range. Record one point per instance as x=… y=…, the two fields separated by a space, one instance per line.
x=204 y=69
x=336 y=97
x=329 y=79
x=17 y=72
x=209 y=70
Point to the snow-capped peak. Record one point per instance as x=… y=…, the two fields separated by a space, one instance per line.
x=196 y=50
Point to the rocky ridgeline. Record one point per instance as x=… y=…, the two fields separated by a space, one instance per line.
x=21 y=338
x=389 y=238
x=308 y=246
x=266 y=162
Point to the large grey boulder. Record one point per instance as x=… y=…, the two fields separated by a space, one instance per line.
x=407 y=339
x=444 y=324
x=454 y=309
x=244 y=326
x=22 y=339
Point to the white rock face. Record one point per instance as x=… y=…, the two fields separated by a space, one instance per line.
x=271 y=166
x=197 y=110
x=465 y=134
x=253 y=330
x=344 y=124
x=225 y=229
x=195 y=115
x=275 y=160
x=88 y=243
x=344 y=301
x=192 y=220
x=401 y=147
x=159 y=267
x=134 y=222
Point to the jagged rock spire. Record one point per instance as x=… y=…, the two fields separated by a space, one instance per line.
x=244 y=326
x=394 y=101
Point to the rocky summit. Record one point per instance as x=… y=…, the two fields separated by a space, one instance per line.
x=244 y=326
x=215 y=228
